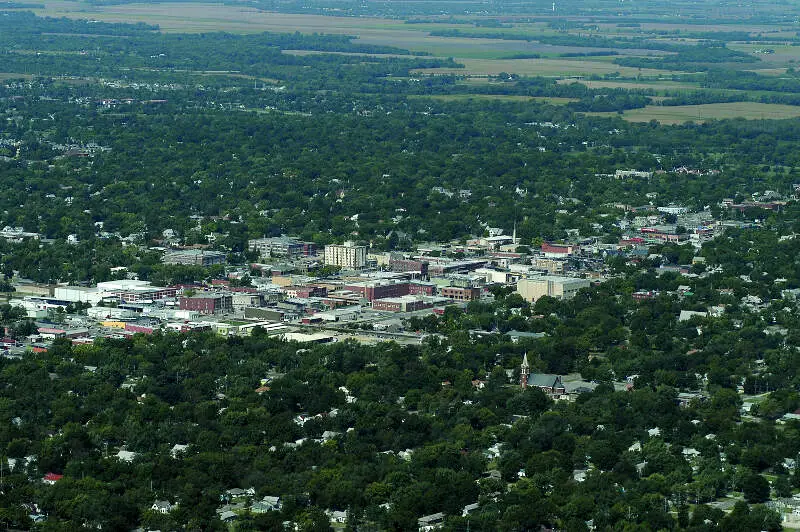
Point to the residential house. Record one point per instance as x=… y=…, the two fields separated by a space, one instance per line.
x=163 y=507
x=430 y=522
x=52 y=478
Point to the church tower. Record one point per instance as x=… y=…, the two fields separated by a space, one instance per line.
x=525 y=370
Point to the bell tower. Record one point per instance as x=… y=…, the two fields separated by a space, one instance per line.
x=525 y=370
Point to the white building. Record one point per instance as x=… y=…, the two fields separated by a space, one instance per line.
x=78 y=293
x=347 y=256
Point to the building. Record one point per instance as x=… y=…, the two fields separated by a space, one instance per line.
x=431 y=522
x=550 y=265
x=208 y=303
x=550 y=285
x=373 y=290
x=282 y=246
x=305 y=291
x=162 y=507
x=421 y=289
x=408 y=265
x=348 y=256
x=440 y=266
x=549 y=384
x=558 y=250
x=457 y=293
x=76 y=294
x=622 y=174
x=406 y=303
x=131 y=291
x=195 y=257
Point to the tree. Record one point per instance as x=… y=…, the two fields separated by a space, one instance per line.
x=755 y=488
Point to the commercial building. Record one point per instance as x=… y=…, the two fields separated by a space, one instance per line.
x=549 y=265
x=559 y=250
x=458 y=293
x=347 y=256
x=208 y=303
x=195 y=257
x=282 y=246
x=406 y=303
x=76 y=294
x=372 y=290
x=400 y=264
x=131 y=291
x=550 y=285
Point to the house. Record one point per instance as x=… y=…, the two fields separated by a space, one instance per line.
x=430 y=522
x=337 y=516
x=227 y=516
x=163 y=507
x=178 y=449
x=516 y=336
x=237 y=493
x=267 y=504
x=52 y=478
x=126 y=456
x=468 y=509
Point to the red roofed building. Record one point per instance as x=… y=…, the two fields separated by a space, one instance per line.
x=558 y=250
x=52 y=478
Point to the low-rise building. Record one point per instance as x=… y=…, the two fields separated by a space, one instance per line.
x=208 y=303
x=401 y=264
x=549 y=265
x=282 y=247
x=550 y=285
x=194 y=257
x=457 y=293
x=407 y=303
x=372 y=290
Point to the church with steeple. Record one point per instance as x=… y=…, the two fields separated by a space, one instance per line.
x=549 y=384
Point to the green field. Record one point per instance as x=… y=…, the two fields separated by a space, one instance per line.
x=712 y=111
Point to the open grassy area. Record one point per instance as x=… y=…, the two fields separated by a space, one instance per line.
x=712 y=111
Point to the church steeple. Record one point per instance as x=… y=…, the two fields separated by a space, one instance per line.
x=525 y=370
x=514 y=235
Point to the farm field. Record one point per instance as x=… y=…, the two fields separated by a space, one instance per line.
x=483 y=57
x=195 y=17
x=543 y=67
x=712 y=111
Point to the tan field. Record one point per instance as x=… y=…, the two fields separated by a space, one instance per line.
x=712 y=111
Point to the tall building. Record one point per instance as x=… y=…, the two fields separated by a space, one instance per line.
x=347 y=256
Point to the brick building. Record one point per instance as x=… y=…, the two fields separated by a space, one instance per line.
x=457 y=293
x=408 y=265
x=379 y=289
x=208 y=303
